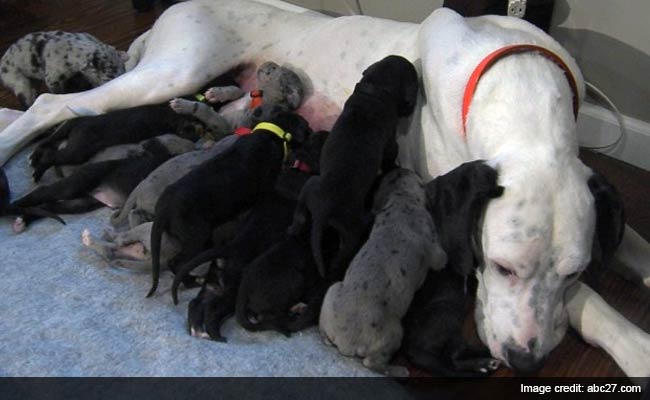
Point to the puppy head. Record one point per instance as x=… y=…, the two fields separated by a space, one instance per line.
x=105 y=64
x=289 y=121
x=398 y=77
x=399 y=183
x=310 y=152
x=281 y=85
x=537 y=239
x=457 y=202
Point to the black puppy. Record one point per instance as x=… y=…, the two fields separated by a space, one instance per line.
x=433 y=325
x=281 y=289
x=100 y=183
x=223 y=187
x=85 y=136
x=362 y=140
x=265 y=224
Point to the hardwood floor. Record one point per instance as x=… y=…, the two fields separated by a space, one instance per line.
x=115 y=22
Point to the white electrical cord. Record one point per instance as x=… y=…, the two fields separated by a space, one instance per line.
x=617 y=113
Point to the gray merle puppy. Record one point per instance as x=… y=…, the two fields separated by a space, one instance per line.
x=362 y=139
x=60 y=59
x=362 y=314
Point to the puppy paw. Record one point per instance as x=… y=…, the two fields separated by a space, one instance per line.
x=86 y=239
x=486 y=365
x=223 y=94
x=182 y=106
x=109 y=235
x=19 y=225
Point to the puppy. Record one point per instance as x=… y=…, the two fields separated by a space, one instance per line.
x=265 y=225
x=223 y=187
x=362 y=314
x=85 y=136
x=102 y=183
x=281 y=289
x=276 y=85
x=362 y=137
x=433 y=337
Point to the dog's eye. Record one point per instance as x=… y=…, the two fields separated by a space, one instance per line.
x=503 y=270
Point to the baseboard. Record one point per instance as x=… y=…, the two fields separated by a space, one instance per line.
x=597 y=126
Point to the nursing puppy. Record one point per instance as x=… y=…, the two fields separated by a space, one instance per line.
x=361 y=142
x=223 y=187
x=102 y=183
x=85 y=136
x=362 y=314
x=264 y=226
x=276 y=85
x=433 y=338
x=281 y=289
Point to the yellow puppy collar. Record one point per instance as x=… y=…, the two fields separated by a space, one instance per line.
x=277 y=131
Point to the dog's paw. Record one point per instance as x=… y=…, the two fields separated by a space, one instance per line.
x=486 y=365
x=182 y=106
x=223 y=94
x=19 y=225
x=397 y=371
x=86 y=238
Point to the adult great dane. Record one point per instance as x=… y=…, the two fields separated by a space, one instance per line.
x=535 y=239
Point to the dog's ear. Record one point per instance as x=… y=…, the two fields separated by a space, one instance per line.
x=458 y=200
x=610 y=218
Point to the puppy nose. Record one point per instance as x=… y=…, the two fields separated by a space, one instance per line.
x=523 y=361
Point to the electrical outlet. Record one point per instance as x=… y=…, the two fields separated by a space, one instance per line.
x=516 y=8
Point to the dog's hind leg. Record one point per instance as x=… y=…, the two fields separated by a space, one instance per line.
x=602 y=326
x=632 y=259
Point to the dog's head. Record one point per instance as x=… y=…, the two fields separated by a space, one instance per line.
x=536 y=241
x=289 y=121
x=397 y=77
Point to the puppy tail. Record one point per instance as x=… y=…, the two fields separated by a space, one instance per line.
x=182 y=272
x=156 y=238
x=119 y=217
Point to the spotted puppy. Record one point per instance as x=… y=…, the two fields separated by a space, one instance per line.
x=278 y=86
x=362 y=139
x=433 y=338
x=223 y=187
x=61 y=60
x=77 y=140
x=362 y=314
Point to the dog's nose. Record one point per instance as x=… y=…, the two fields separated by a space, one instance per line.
x=523 y=361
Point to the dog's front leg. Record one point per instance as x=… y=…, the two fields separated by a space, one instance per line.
x=632 y=259
x=602 y=326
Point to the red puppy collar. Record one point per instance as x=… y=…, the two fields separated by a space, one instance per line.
x=242 y=130
x=506 y=51
x=301 y=166
x=256 y=98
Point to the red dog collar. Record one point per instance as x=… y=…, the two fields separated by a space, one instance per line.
x=256 y=98
x=242 y=130
x=506 y=51
x=301 y=166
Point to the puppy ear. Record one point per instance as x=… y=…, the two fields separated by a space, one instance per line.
x=458 y=200
x=610 y=216
x=410 y=96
